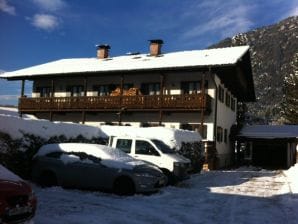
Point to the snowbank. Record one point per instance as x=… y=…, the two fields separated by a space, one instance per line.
x=5 y=174
x=14 y=126
x=171 y=137
x=292 y=176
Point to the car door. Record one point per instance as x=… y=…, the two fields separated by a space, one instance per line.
x=88 y=174
x=144 y=150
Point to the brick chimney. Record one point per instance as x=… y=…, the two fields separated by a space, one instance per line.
x=155 y=47
x=103 y=51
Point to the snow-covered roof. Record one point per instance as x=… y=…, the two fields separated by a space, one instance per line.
x=269 y=131
x=175 y=60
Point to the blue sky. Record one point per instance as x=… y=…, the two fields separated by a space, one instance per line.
x=38 y=31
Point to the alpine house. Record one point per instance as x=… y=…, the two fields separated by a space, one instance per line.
x=196 y=90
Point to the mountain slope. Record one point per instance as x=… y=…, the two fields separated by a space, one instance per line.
x=272 y=54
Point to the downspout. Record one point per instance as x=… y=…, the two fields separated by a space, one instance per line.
x=215 y=106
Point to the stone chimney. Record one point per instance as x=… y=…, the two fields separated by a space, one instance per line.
x=103 y=51
x=155 y=47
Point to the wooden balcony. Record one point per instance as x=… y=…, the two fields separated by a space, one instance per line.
x=179 y=103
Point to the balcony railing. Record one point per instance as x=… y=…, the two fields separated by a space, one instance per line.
x=193 y=102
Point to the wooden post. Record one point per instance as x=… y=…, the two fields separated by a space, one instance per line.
x=85 y=85
x=121 y=94
x=52 y=88
x=22 y=94
x=83 y=117
x=23 y=88
x=202 y=101
x=162 y=77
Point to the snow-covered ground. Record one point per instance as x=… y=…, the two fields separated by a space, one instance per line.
x=246 y=195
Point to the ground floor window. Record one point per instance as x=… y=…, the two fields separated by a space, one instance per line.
x=195 y=127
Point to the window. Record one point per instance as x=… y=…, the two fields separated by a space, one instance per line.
x=104 y=90
x=226 y=136
x=124 y=145
x=221 y=93
x=145 y=148
x=45 y=91
x=219 y=134
x=233 y=104
x=76 y=90
x=127 y=86
x=228 y=99
x=150 y=88
x=195 y=127
x=192 y=87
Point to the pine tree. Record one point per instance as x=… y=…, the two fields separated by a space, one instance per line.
x=290 y=103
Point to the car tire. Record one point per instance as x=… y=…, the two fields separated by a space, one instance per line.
x=47 y=179
x=170 y=176
x=124 y=186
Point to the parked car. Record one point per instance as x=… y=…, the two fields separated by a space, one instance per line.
x=92 y=166
x=174 y=165
x=17 y=200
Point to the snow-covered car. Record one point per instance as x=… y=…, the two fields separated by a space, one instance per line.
x=93 y=166
x=17 y=200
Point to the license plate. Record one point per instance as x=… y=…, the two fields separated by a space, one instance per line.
x=20 y=210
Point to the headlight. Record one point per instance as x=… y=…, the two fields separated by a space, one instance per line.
x=146 y=175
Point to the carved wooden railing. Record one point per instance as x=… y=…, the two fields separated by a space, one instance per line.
x=102 y=103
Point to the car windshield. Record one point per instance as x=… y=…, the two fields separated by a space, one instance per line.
x=163 y=147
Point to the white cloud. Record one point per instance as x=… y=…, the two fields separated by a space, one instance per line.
x=45 y=22
x=227 y=20
x=5 y=7
x=293 y=12
x=50 y=5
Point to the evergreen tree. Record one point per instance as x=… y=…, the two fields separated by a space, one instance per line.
x=290 y=102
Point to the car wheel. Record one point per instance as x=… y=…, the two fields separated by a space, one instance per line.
x=124 y=186
x=170 y=176
x=47 y=179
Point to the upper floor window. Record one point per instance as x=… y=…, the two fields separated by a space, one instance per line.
x=45 y=91
x=150 y=88
x=221 y=93
x=76 y=90
x=228 y=99
x=104 y=90
x=193 y=87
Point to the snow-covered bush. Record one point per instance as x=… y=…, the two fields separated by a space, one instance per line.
x=16 y=154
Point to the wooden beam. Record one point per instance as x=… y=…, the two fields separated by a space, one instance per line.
x=83 y=117
x=202 y=104
x=85 y=85
x=52 y=88
x=23 y=88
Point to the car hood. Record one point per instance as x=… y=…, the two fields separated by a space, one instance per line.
x=128 y=163
x=9 y=186
x=178 y=158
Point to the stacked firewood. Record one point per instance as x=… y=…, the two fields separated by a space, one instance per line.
x=130 y=92
x=116 y=92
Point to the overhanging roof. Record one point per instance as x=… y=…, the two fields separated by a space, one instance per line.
x=222 y=60
x=269 y=132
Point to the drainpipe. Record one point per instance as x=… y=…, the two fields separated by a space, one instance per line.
x=215 y=106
